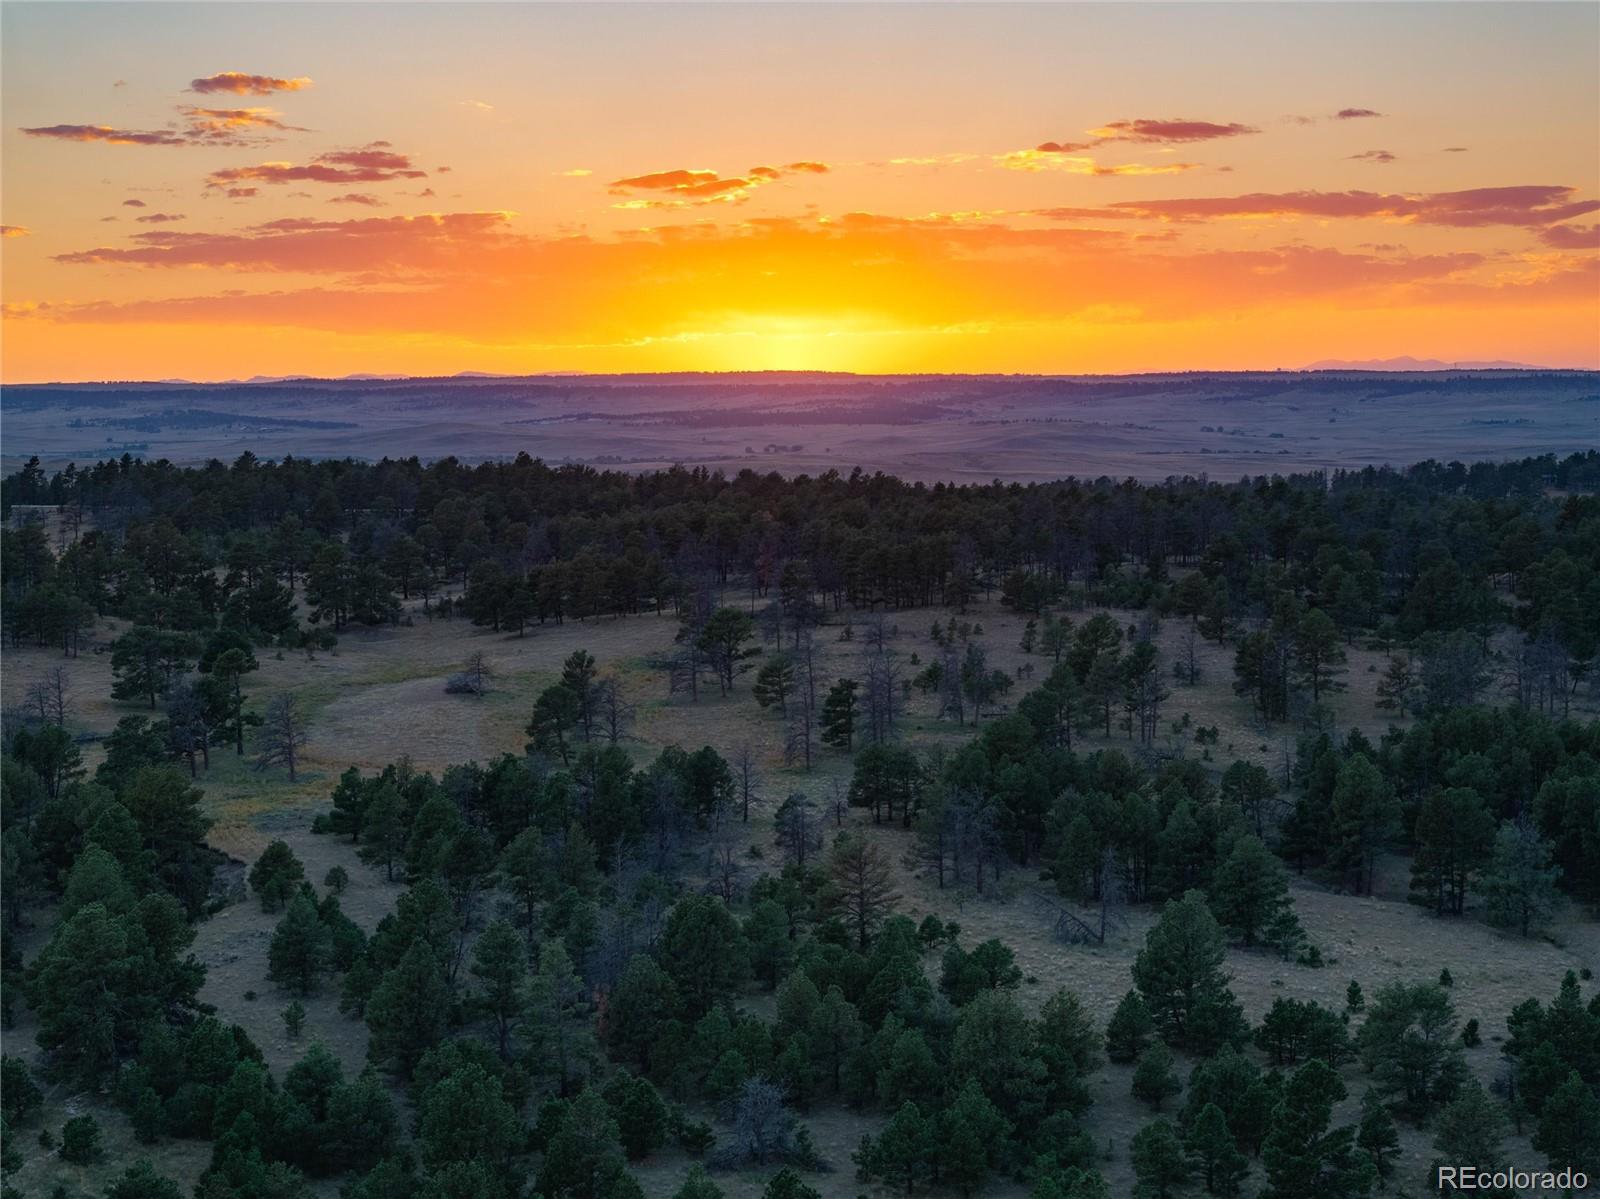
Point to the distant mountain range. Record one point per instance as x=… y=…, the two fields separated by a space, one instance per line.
x=1416 y=364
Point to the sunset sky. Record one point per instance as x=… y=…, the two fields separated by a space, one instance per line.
x=218 y=191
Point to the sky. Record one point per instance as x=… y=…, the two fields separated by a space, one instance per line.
x=223 y=190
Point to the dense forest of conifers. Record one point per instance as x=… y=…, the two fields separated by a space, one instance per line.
x=593 y=1022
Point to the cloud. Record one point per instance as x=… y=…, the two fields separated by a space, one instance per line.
x=1354 y=114
x=683 y=187
x=1374 y=156
x=576 y=173
x=1530 y=206
x=1571 y=237
x=241 y=193
x=480 y=282
x=364 y=198
x=430 y=242
x=372 y=163
x=1075 y=164
x=479 y=105
x=226 y=124
x=109 y=135
x=14 y=231
x=1455 y=149
x=240 y=84
x=161 y=218
x=133 y=204
x=1170 y=131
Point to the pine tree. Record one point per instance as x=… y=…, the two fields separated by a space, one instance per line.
x=301 y=951
x=775 y=683
x=1215 y=1156
x=500 y=962
x=1154 y=1078
x=558 y=1044
x=1365 y=812
x=383 y=833
x=1179 y=973
x=1249 y=889
x=276 y=876
x=1470 y=1128
x=771 y=949
x=904 y=1150
x=409 y=1009
x=1303 y=1159
x=1454 y=835
x=1159 y=1162
x=839 y=714
x=972 y=1136
x=1129 y=1028
x=1378 y=1137
x=1519 y=885
x=1569 y=1127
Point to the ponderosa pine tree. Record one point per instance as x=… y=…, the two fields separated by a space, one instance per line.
x=276 y=876
x=839 y=714
x=1214 y=1154
x=1179 y=974
x=1303 y=1159
x=1159 y=1161
x=1249 y=889
x=1519 y=883
x=301 y=950
x=1129 y=1029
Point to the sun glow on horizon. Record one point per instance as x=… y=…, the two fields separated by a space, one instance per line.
x=904 y=193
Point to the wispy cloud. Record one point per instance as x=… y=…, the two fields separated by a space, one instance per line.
x=14 y=231
x=109 y=135
x=239 y=83
x=375 y=162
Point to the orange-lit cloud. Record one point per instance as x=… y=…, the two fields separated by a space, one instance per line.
x=398 y=243
x=1352 y=114
x=372 y=163
x=1041 y=159
x=1380 y=156
x=1571 y=237
x=109 y=135
x=160 y=218
x=13 y=231
x=240 y=84
x=133 y=204
x=363 y=198
x=1531 y=206
x=683 y=187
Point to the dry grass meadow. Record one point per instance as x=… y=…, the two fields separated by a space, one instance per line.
x=381 y=696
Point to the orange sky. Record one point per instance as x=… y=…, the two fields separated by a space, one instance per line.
x=226 y=190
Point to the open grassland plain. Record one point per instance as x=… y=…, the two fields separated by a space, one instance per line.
x=962 y=429
x=381 y=696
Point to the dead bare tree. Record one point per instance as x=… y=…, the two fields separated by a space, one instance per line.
x=799 y=833
x=881 y=701
x=50 y=695
x=616 y=713
x=800 y=741
x=1110 y=915
x=283 y=734
x=747 y=778
x=472 y=678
